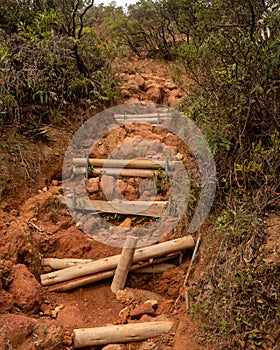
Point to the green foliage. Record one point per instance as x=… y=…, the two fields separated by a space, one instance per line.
x=46 y=73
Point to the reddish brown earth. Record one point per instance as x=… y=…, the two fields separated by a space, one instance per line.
x=35 y=224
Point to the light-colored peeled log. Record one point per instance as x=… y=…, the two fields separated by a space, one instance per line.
x=58 y=264
x=119 y=333
x=124 y=264
x=111 y=262
x=124 y=163
x=147 y=173
x=82 y=281
x=142 y=208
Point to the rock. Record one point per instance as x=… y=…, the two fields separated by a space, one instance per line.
x=132 y=100
x=121 y=187
x=165 y=307
x=35 y=205
x=138 y=296
x=108 y=185
x=93 y=185
x=153 y=303
x=149 y=83
x=55 y=182
x=26 y=290
x=131 y=193
x=171 y=140
x=180 y=156
x=114 y=347
x=126 y=224
x=147 y=345
x=170 y=85
x=91 y=225
x=15 y=329
x=70 y=317
x=143 y=309
x=173 y=98
x=140 y=81
x=125 y=93
x=132 y=86
x=115 y=137
x=155 y=94
x=6 y=301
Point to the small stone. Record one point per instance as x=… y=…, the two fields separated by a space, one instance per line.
x=55 y=183
x=93 y=185
x=143 y=309
x=179 y=156
x=126 y=224
x=114 y=347
x=153 y=303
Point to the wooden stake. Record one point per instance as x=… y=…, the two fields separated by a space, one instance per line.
x=192 y=259
x=124 y=264
x=82 y=281
x=119 y=333
x=111 y=262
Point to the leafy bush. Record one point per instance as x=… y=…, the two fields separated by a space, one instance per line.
x=46 y=73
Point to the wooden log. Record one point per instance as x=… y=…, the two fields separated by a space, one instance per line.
x=119 y=333
x=124 y=264
x=141 y=208
x=111 y=262
x=140 y=163
x=82 y=281
x=58 y=264
x=154 y=121
x=158 y=268
x=142 y=116
x=146 y=173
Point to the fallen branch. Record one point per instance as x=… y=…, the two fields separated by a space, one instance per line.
x=119 y=333
x=111 y=262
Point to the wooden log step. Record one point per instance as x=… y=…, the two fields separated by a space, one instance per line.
x=155 y=120
x=142 y=116
x=119 y=333
x=146 y=173
x=141 y=208
x=124 y=163
x=58 y=264
x=161 y=249
x=82 y=281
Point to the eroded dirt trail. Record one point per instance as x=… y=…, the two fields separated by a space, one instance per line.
x=31 y=317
